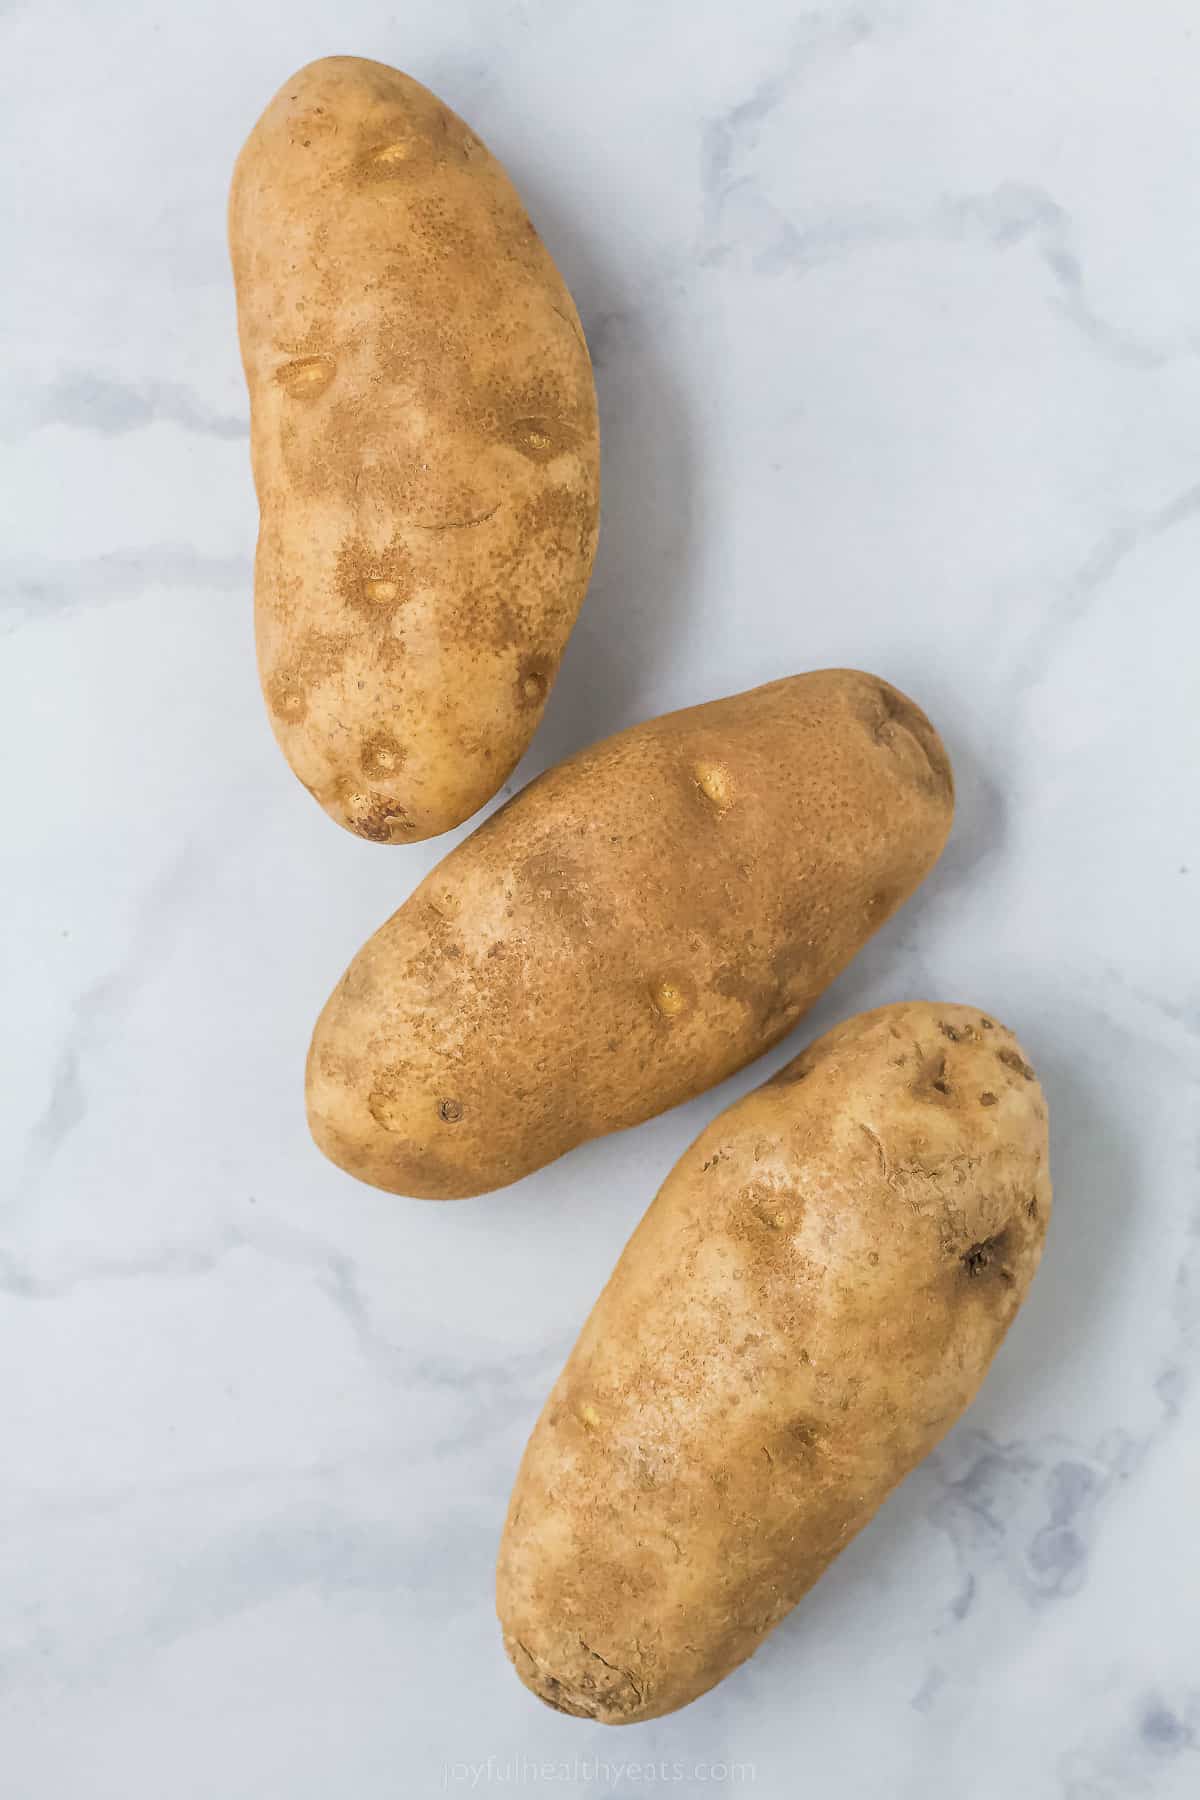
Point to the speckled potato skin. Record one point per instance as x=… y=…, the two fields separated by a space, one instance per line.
x=424 y=442
x=808 y=1305
x=634 y=926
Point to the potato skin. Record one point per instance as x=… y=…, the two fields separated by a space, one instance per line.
x=634 y=926
x=808 y=1305
x=424 y=442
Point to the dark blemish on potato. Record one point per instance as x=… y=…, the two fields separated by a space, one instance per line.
x=1031 y=1207
x=932 y=1078
x=985 y=1255
x=757 y=997
x=286 y=698
x=988 y=1024
x=554 y=882
x=1012 y=1060
x=316 y=657
x=987 y=1098
x=956 y=1033
x=450 y=1111
x=306 y=377
x=376 y=818
x=540 y=439
x=807 y=1433
x=381 y=755
x=562 y=513
x=712 y=1162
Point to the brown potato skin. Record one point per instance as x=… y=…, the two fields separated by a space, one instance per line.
x=424 y=442
x=808 y=1305
x=634 y=926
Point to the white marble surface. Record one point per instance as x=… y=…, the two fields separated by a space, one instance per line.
x=896 y=312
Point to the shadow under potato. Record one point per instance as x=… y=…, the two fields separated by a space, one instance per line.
x=636 y=607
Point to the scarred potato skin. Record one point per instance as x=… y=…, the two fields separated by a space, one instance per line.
x=634 y=926
x=424 y=442
x=809 y=1304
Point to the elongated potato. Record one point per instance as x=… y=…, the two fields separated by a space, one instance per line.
x=424 y=442
x=631 y=928
x=808 y=1305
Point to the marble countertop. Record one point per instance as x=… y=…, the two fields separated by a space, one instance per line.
x=895 y=306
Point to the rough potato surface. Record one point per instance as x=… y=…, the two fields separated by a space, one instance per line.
x=634 y=926
x=424 y=443
x=808 y=1305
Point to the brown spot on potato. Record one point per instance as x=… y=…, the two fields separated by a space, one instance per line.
x=306 y=377
x=375 y=817
x=932 y=1079
x=987 y=1098
x=539 y=439
x=286 y=698
x=450 y=1111
x=956 y=1033
x=1017 y=1063
x=986 y=1255
x=563 y=513
x=381 y=755
x=805 y=1433
x=312 y=127
x=554 y=882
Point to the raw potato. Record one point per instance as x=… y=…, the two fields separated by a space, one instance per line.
x=637 y=924
x=808 y=1305
x=424 y=442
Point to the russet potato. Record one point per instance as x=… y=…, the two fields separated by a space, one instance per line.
x=424 y=442
x=634 y=926
x=810 y=1302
